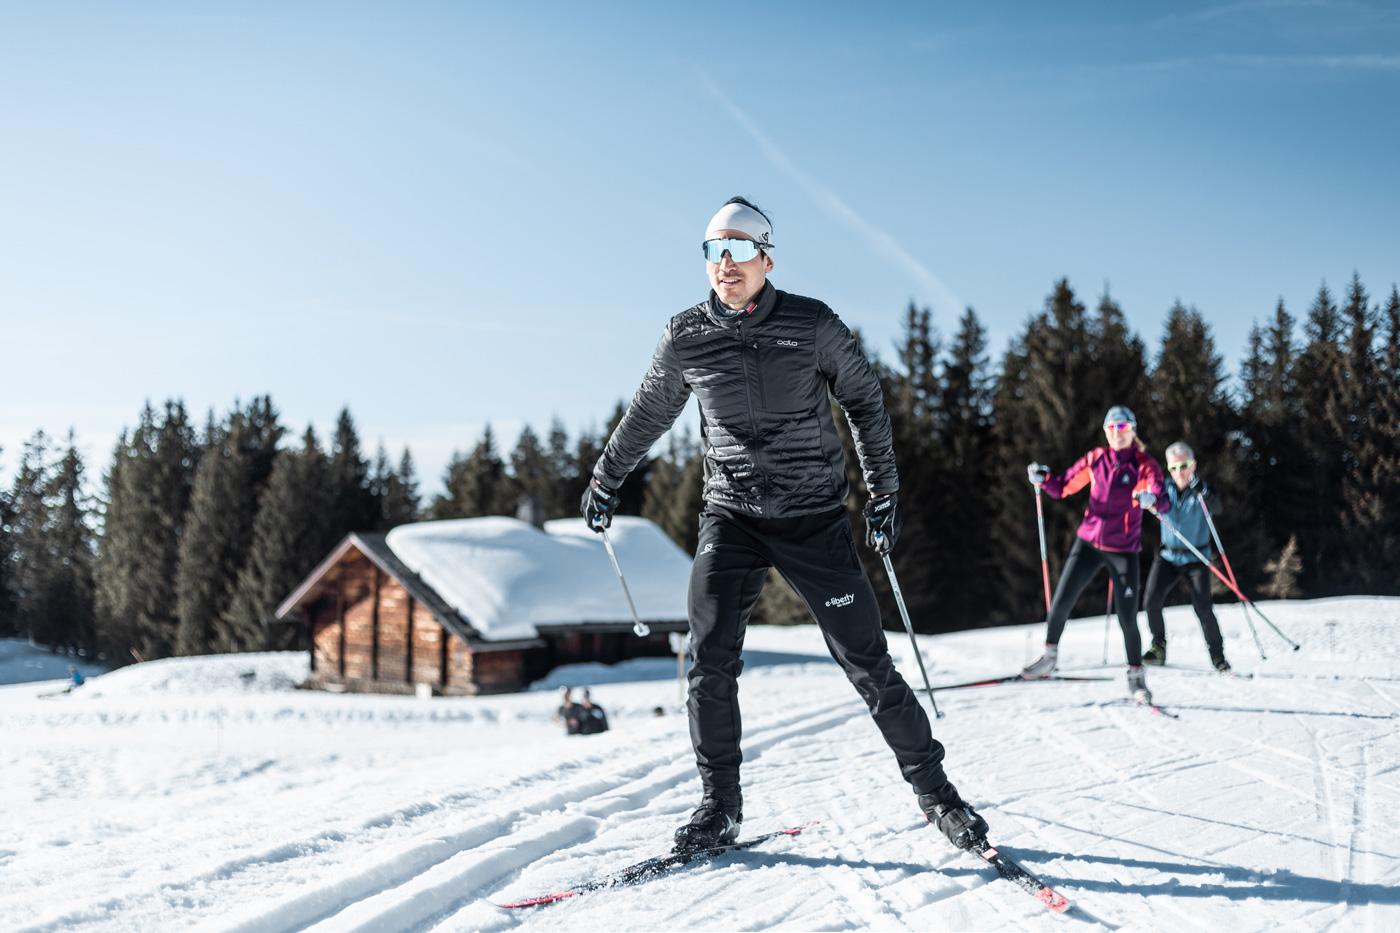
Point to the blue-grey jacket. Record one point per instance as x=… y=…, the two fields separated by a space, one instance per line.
x=1188 y=518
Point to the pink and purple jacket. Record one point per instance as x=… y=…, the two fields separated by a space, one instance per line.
x=1113 y=519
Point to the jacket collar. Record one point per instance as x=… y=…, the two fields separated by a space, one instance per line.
x=762 y=306
x=1125 y=457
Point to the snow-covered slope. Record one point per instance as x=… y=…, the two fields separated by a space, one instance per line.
x=166 y=797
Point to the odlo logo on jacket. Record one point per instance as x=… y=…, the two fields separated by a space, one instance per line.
x=841 y=600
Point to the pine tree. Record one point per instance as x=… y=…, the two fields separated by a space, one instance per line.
x=354 y=506
x=968 y=595
x=532 y=472
x=31 y=520
x=1119 y=372
x=69 y=606
x=587 y=450
x=561 y=463
x=291 y=534
x=1384 y=469
x=1319 y=376
x=1273 y=484
x=476 y=485
x=1353 y=415
x=1188 y=401
x=1283 y=572
x=674 y=492
x=914 y=394
x=379 y=475
x=7 y=565
x=632 y=495
x=400 y=499
x=147 y=496
x=232 y=472
x=1187 y=398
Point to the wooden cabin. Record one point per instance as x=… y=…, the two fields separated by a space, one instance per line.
x=376 y=626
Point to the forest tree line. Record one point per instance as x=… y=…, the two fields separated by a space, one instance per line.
x=197 y=532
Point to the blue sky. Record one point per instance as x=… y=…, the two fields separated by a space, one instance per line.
x=444 y=214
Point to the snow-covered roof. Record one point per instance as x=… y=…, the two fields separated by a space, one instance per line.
x=508 y=578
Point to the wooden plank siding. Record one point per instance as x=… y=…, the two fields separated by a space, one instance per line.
x=360 y=611
x=427 y=647
x=392 y=658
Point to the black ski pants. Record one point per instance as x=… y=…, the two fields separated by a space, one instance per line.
x=1083 y=564
x=1160 y=580
x=816 y=554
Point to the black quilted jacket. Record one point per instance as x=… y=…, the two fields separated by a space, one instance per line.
x=764 y=381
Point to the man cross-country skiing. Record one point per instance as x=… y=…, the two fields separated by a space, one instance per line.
x=764 y=365
x=1190 y=497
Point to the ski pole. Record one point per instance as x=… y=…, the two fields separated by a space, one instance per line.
x=1215 y=536
x=1234 y=589
x=1044 y=560
x=1107 y=614
x=638 y=626
x=908 y=626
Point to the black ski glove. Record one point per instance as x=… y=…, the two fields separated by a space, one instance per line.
x=881 y=523
x=598 y=505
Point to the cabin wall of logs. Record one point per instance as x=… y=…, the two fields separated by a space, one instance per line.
x=369 y=635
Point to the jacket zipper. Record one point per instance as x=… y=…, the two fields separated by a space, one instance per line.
x=762 y=474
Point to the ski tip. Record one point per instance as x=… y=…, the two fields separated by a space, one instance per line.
x=797 y=830
x=1053 y=899
x=538 y=901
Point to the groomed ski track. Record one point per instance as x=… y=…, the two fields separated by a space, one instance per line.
x=1271 y=802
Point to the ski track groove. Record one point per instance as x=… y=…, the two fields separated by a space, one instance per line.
x=1161 y=812
x=419 y=896
x=1382 y=694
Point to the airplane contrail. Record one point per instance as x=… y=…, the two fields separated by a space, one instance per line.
x=883 y=242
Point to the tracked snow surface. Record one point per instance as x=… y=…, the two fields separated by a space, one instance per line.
x=208 y=794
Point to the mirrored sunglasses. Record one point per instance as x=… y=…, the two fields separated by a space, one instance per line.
x=1181 y=465
x=738 y=250
x=1119 y=425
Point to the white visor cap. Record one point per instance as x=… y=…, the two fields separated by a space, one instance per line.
x=743 y=218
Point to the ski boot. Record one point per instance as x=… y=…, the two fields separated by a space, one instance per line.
x=954 y=818
x=1156 y=655
x=714 y=823
x=1217 y=661
x=1044 y=666
x=1137 y=685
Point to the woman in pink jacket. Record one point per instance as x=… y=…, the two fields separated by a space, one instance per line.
x=1122 y=481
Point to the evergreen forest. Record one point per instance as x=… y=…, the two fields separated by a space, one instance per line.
x=193 y=533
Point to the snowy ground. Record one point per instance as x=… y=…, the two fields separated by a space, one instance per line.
x=207 y=794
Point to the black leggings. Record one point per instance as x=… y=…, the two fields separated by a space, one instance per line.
x=816 y=554
x=1083 y=564
x=1160 y=580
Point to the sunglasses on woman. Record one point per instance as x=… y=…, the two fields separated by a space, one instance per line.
x=1182 y=465
x=738 y=250
x=1119 y=425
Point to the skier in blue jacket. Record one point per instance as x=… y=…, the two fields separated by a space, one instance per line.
x=1175 y=562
